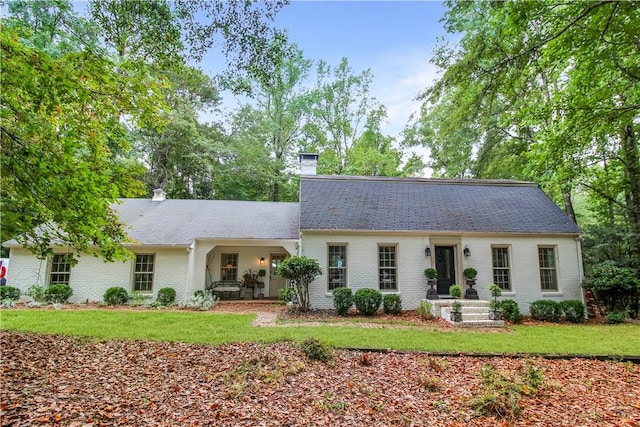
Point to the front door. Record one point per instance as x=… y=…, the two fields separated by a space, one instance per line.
x=276 y=282
x=446 y=266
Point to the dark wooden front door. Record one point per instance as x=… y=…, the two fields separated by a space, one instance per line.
x=446 y=266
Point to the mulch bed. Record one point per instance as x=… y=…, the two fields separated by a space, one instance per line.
x=56 y=380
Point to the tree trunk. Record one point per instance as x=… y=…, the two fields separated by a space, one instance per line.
x=631 y=158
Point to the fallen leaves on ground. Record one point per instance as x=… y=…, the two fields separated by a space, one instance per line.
x=60 y=380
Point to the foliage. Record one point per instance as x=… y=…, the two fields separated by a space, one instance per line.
x=510 y=103
x=286 y=295
x=495 y=290
x=456 y=307
x=137 y=298
x=470 y=273
x=547 y=310
x=367 y=301
x=511 y=311
x=115 y=295
x=574 y=310
x=315 y=350
x=36 y=293
x=455 y=291
x=615 y=317
x=425 y=310
x=57 y=294
x=617 y=288
x=342 y=300
x=392 y=304
x=504 y=391
x=9 y=292
x=59 y=174
x=301 y=271
x=431 y=273
x=202 y=301
x=166 y=296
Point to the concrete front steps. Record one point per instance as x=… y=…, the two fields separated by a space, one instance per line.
x=475 y=313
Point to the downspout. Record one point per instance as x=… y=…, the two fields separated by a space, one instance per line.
x=190 y=267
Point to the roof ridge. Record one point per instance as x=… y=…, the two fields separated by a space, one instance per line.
x=422 y=180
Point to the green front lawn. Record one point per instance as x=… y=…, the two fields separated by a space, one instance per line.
x=218 y=328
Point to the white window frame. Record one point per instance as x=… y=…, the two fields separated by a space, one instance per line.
x=388 y=267
x=545 y=270
x=144 y=276
x=60 y=268
x=501 y=268
x=336 y=266
x=229 y=265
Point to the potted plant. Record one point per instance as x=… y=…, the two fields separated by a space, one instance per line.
x=431 y=274
x=260 y=282
x=456 y=308
x=495 y=312
x=470 y=274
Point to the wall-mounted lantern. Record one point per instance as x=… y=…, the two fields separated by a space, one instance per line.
x=427 y=251
x=261 y=261
x=466 y=251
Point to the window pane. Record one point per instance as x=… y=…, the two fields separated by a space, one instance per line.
x=387 y=268
x=143 y=274
x=229 y=267
x=501 y=273
x=60 y=270
x=337 y=267
x=548 y=279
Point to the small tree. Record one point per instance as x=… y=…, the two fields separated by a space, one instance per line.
x=301 y=271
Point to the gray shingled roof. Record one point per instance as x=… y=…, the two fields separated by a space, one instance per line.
x=180 y=222
x=431 y=205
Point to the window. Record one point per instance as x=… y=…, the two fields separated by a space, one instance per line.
x=143 y=273
x=387 y=268
x=501 y=275
x=229 y=267
x=337 y=267
x=547 y=260
x=60 y=270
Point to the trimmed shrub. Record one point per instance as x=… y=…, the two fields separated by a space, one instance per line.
x=115 y=296
x=315 y=350
x=342 y=300
x=57 y=294
x=511 y=311
x=9 y=292
x=367 y=301
x=573 y=310
x=392 y=304
x=166 y=296
x=287 y=295
x=455 y=291
x=615 y=317
x=547 y=310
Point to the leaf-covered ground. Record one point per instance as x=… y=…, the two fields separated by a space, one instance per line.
x=55 y=380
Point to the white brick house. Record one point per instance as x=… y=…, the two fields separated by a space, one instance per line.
x=375 y=232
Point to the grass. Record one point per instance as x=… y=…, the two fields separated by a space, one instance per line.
x=219 y=328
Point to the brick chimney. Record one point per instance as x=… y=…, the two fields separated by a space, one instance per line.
x=308 y=163
x=158 y=195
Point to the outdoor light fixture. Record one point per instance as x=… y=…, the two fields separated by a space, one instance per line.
x=261 y=260
x=427 y=251
x=466 y=251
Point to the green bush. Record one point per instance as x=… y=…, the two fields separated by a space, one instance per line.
x=511 y=311
x=573 y=310
x=201 y=300
x=367 y=301
x=546 y=310
x=315 y=350
x=342 y=300
x=455 y=291
x=425 y=310
x=286 y=295
x=166 y=296
x=36 y=293
x=617 y=288
x=115 y=296
x=615 y=317
x=57 y=294
x=392 y=304
x=9 y=292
